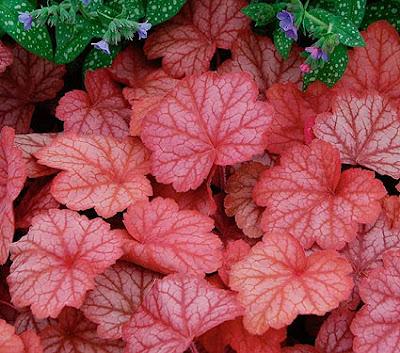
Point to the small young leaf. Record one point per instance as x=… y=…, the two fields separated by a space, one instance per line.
x=332 y=71
x=282 y=43
x=161 y=10
x=388 y=10
x=353 y=10
x=96 y=59
x=36 y=40
x=260 y=13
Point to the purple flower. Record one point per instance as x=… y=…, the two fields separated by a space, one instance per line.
x=317 y=53
x=142 y=29
x=85 y=2
x=26 y=19
x=286 y=22
x=103 y=46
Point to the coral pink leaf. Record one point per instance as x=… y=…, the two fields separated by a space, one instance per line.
x=69 y=249
x=102 y=110
x=377 y=325
x=334 y=335
x=73 y=333
x=258 y=56
x=320 y=97
x=9 y=341
x=27 y=81
x=239 y=201
x=166 y=239
x=309 y=197
x=25 y=321
x=118 y=293
x=36 y=200
x=366 y=131
x=12 y=179
x=6 y=57
x=30 y=144
x=31 y=342
x=207 y=119
x=187 y=48
x=276 y=282
x=300 y=348
x=177 y=309
x=98 y=171
x=377 y=65
x=391 y=207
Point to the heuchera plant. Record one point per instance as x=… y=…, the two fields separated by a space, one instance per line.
x=229 y=186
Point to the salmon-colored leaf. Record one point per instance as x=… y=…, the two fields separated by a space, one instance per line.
x=9 y=341
x=377 y=65
x=36 y=200
x=98 y=171
x=26 y=321
x=55 y=264
x=30 y=144
x=12 y=179
x=239 y=199
x=73 y=333
x=308 y=196
x=207 y=119
x=27 y=81
x=168 y=240
x=276 y=282
x=188 y=47
x=258 y=56
x=365 y=129
x=32 y=343
x=102 y=110
x=377 y=325
x=177 y=309
x=300 y=348
x=118 y=293
x=6 y=57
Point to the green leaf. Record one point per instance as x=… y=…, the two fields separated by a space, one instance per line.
x=347 y=32
x=97 y=59
x=388 y=10
x=37 y=40
x=261 y=13
x=136 y=8
x=282 y=43
x=73 y=38
x=158 y=11
x=353 y=10
x=332 y=70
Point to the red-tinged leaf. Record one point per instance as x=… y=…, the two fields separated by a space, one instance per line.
x=30 y=144
x=67 y=248
x=118 y=293
x=73 y=333
x=187 y=48
x=377 y=65
x=168 y=240
x=334 y=335
x=320 y=97
x=365 y=129
x=258 y=56
x=309 y=197
x=27 y=81
x=233 y=334
x=239 y=201
x=25 y=321
x=234 y=252
x=277 y=281
x=98 y=171
x=391 y=207
x=200 y=199
x=102 y=110
x=300 y=348
x=140 y=108
x=177 y=309
x=9 y=341
x=36 y=200
x=207 y=119
x=32 y=343
x=376 y=326
x=6 y=57
x=12 y=179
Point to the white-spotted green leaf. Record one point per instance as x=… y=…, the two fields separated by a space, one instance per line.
x=260 y=13
x=36 y=40
x=136 y=8
x=73 y=38
x=353 y=10
x=346 y=31
x=332 y=70
x=96 y=59
x=158 y=11
x=282 y=43
x=388 y=10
